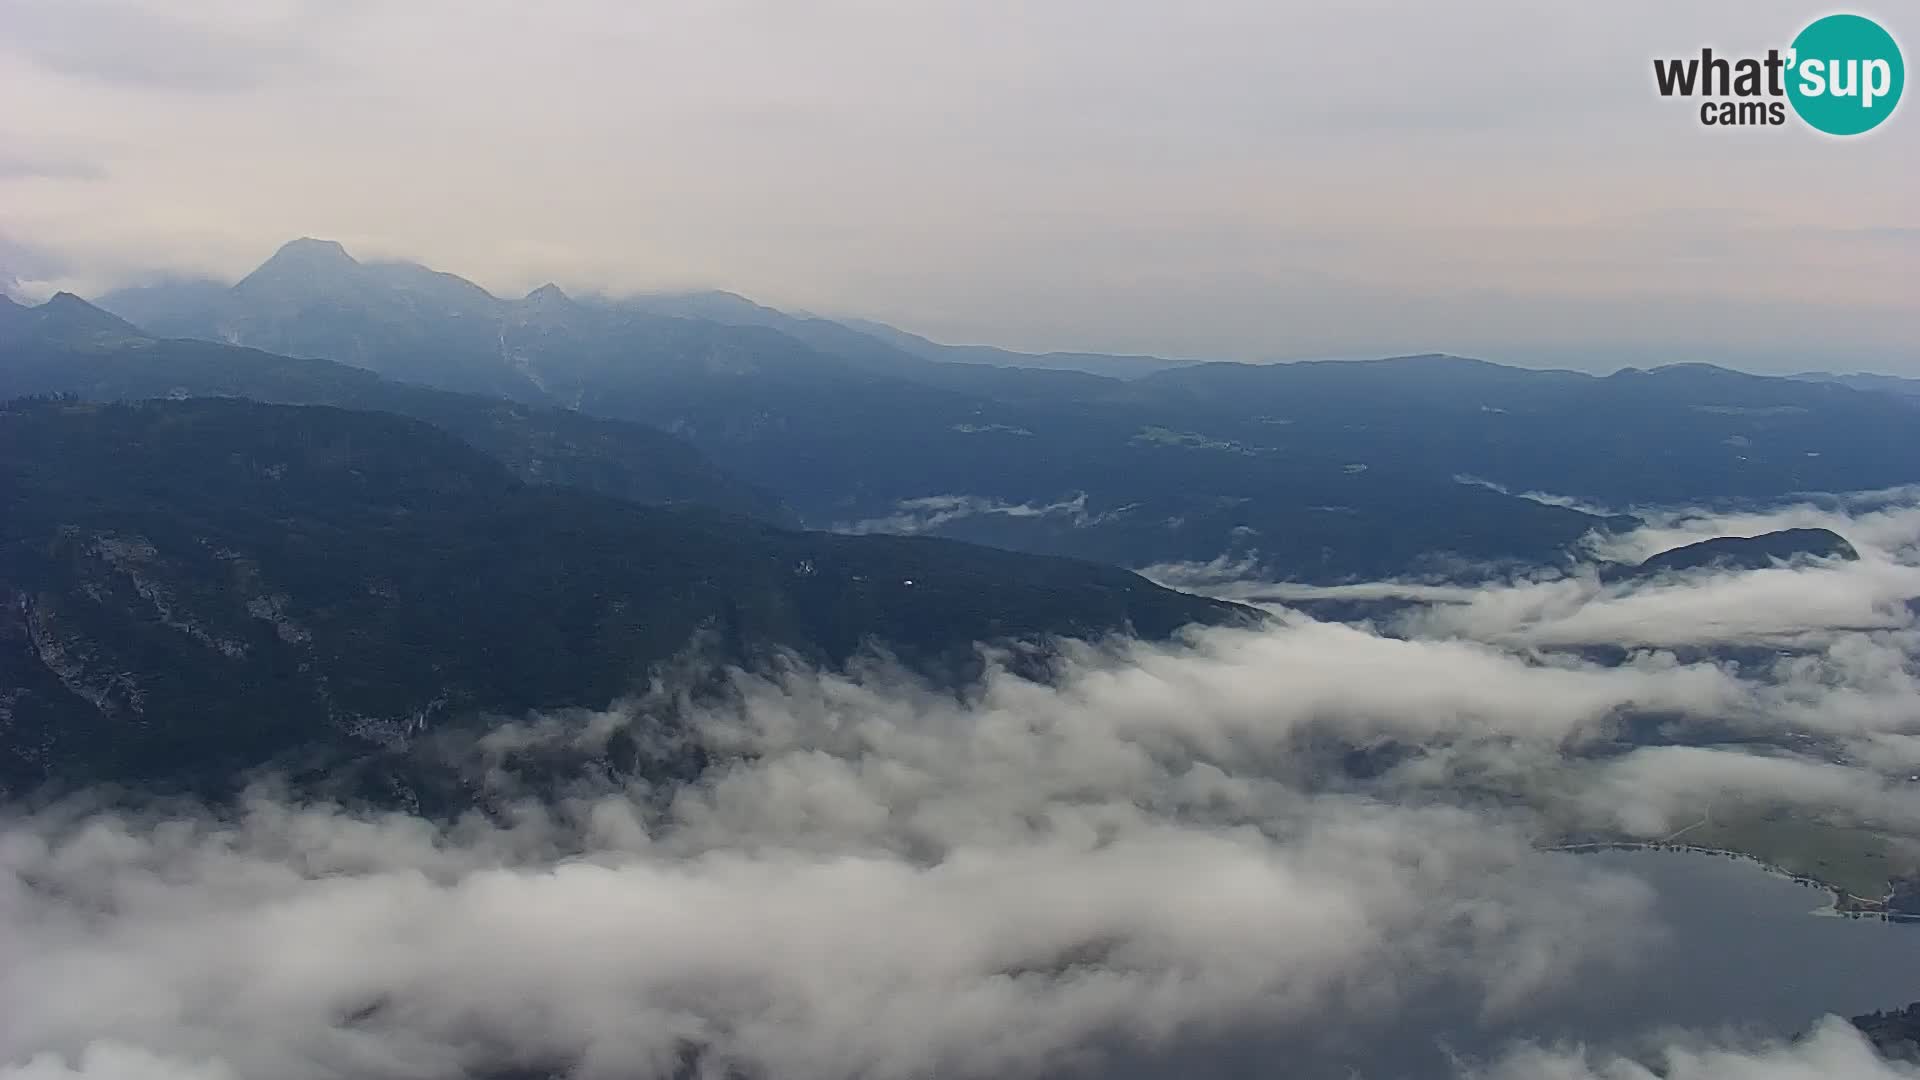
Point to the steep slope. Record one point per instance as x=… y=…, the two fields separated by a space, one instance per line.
x=969 y=368
x=63 y=320
x=576 y=351
x=406 y=321
x=850 y=345
x=540 y=445
x=313 y=299
x=1895 y=1033
x=189 y=588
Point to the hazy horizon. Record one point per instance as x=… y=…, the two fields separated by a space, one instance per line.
x=1505 y=183
x=1544 y=359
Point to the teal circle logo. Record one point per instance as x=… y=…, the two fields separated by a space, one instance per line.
x=1845 y=74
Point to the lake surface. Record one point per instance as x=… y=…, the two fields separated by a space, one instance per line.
x=1743 y=950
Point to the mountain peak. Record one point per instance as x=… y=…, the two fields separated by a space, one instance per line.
x=548 y=294
x=303 y=263
x=308 y=255
x=66 y=301
x=308 y=249
x=72 y=310
x=68 y=319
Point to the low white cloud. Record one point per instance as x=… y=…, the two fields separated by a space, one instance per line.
x=1885 y=522
x=930 y=512
x=1545 y=498
x=1218 y=575
x=1781 y=605
x=872 y=888
x=1833 y=1051
x=865 y=874
x=113 y=1061
x=1652 y=790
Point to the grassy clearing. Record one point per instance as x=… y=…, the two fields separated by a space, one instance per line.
x=1855 y=859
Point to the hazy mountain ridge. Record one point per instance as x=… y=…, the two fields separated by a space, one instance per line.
x=846 y=437
x=65 y=319
x=1673 y=434
x=1864 y=380
x=410 y=322
x=1313 y=470
x=1111 y=365
x=60 y=352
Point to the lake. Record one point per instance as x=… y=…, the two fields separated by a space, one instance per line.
x=1744 y=950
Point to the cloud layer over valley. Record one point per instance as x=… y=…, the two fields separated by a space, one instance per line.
x=1296 y=834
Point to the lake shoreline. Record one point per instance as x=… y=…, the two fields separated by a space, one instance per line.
x=1843 y=903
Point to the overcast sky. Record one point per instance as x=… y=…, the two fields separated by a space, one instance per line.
x=1236 y=178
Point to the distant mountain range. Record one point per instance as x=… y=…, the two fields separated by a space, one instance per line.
x=1862 y=380
x=312 y=299
x=307 y=273
x=190 y=589
x=502 y=505
x=63 y=321
x=67 y=346
x=1010 y=457
x=1318 y=471
x=1108 y=364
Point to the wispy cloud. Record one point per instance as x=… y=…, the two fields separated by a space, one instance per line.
x=222 y=48
x=1832 y=1051
x=924 y=514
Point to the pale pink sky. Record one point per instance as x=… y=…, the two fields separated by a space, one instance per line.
x=1237 y=178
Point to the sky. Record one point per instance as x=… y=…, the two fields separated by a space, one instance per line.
x=1233 y=179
